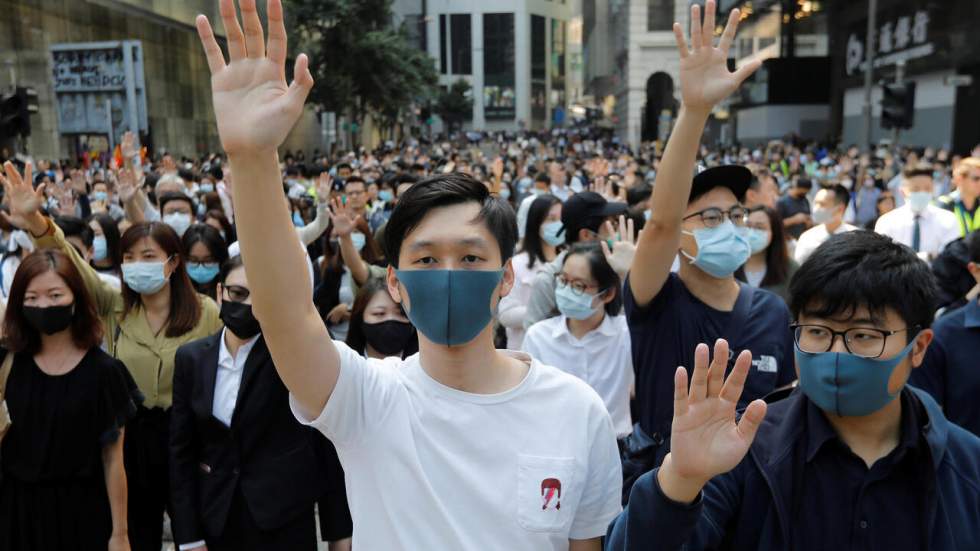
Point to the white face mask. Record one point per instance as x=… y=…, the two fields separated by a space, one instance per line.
x=919 y=200
x=179 y=221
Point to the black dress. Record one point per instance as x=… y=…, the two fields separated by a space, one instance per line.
x=52 y=493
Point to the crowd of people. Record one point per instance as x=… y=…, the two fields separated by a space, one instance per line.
x=475 y=344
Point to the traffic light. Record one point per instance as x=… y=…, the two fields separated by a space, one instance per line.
x=898 y=105
x=15 y=112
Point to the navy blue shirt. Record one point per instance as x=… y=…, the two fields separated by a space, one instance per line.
x=665 y=332
x=846 y=505
x=951 y=369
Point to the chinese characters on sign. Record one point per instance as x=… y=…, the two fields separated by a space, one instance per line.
x=902 y=39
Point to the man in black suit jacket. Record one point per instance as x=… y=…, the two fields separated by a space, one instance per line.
x=250 y=483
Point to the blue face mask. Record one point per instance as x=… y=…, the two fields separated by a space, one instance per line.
x=845 y=384
x=450 y=307
x=386 y=195
x=572 y=305
x=358 y=239
x=145 y=278
x=549 y=232
x=504 y=193
x=758 y=239
x=721 y=250
x=100 y=196
x=206 y=188
x=100 y=250
x=297 y=220
x=647 y=214
x=203 y=273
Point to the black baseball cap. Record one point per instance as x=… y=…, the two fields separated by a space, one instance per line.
x=585 y=205
x=734 y=177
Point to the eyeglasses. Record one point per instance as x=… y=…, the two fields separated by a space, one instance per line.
x=866 y=342
x=237 y=293
x=577 y=287
x=714 y=217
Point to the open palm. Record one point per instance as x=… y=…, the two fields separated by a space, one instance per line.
x=704 y=75
x=705 y=441
x=23 y=200
x=254 y=107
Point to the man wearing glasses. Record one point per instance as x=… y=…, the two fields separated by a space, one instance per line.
x=702 y=220
x=854 y=459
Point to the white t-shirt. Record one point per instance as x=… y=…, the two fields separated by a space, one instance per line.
x=812 y=238
x=603 y=359
x=431 y=467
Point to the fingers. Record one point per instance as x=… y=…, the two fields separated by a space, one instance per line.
x=254 y=39
x=216 y=60
x=40 y=191
x=302 y=81
x=728 y=36
x=732 y=390
x=719 y=364
x=236 y=39
x=631 y=231
x=708 y=31
x=680 y=392
x=748 y=425
x=696 y=27
x=746 y=70
x=606 y=251
x=699 y=379
x=277 y=33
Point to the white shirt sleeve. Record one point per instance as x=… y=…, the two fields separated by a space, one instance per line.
x=601 y=500
x=189 y=546
x=360 y=400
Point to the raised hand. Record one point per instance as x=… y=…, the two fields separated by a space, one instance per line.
x=254 y=107
x=126 y=186
x=324 y=187
x=620 y=256
x=340 y=215
x=704 y=75
x=24 y=201
x=705 y=441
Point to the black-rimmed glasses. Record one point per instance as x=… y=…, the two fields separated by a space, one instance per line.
x=714 y=217
x=867 y=342
x=236 y=293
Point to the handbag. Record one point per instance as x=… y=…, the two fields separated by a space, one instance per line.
x=8 y=362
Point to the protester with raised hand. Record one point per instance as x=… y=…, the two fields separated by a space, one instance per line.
x=853 y=459
x=156 y=311
x=461 y=446
x=702 y=221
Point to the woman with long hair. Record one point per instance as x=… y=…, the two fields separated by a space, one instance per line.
x=541 y=244
x=379 y=327
x=157 y=311
x=770 y=267
x=206 y=252
x=106 y=257
x=63 y=484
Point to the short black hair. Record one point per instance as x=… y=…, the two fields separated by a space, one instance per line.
x=354 y=180
x=863 y=268
x=921 y=168
x=542 y=177
x=841 y=195
x=344 y=165
x=603 y=273
x=446 y=190
x=176 y=196
x=73 y=226
x=973 y=246
x=404 y=178
x=638 y=193
x=804 y=183
x=228 y=266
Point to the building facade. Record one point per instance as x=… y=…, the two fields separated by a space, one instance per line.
x=72 y=85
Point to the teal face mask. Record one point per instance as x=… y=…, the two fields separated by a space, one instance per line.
x=203 y=273
x=386 y=195
x=550 y=231
x=100 y=195
x=845 y=384
x=450 y=307
x=721 y=250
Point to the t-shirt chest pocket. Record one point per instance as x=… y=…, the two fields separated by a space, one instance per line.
x=547 y=492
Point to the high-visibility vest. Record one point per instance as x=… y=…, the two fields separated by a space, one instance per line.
x=968 y=224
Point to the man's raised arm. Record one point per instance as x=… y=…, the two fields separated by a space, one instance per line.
x=705 y=80
x=255 y=110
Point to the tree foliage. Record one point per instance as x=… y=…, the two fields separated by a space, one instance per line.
x=454 y=105
x=360 y=62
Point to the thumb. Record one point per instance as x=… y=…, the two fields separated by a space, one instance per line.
x=605 y=250
x=39 y=192
x=751 y=419
x=746 y=70
x=302 y=80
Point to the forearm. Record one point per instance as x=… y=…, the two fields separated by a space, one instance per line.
x=134 y=208
x=660 y=239
x=104 y=295
x=352 y=259
x=310 y=232
x=115 y=484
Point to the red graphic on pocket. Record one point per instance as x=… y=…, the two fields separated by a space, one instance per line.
x=551 y=490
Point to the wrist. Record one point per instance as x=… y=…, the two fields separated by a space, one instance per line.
x=676 y=487
x=699 y=112
x=37 y=225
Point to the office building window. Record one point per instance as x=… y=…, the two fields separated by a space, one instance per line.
x=498 y=66
x=461 y=43
x=442 y=44
x=660 y=15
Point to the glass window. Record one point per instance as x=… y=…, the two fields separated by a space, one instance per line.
x=442 y=44
x=461 y=41
x=498 y=65
x=660 y=15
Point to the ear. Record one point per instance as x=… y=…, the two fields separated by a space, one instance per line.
x=393 y=286
x=974 y=269
x=584 y=236
x=219 y=289
x=608 y=295
x=922 y=341
x=507 y=281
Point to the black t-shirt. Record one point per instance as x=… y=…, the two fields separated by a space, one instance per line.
x=665 y=333
x=790 y=206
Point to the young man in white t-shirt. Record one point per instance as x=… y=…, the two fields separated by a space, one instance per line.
x=461 y=446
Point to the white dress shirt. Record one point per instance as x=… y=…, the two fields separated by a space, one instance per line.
x=602 y=358
x=513 y=307
x=937 y=227
x=229 y=378
x=813 y=238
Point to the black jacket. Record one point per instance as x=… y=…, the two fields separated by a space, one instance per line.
x=280 y=467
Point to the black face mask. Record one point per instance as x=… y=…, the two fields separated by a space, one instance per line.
x=51 y=319
x=388 y=337
x=239 y=320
